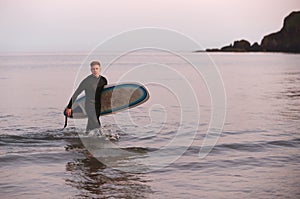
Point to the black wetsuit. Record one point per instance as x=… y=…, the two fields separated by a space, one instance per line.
x=93 y=87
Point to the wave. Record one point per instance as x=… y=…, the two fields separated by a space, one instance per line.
x=260 y=146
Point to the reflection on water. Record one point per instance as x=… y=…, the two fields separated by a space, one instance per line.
x=257 y=155
x=290 y=96
x=93 y=179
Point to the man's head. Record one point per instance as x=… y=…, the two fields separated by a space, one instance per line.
x=95 y=68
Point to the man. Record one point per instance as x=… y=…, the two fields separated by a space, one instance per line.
x=92 y=85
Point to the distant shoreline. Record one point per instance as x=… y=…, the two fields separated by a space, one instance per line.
x=286 y=40
x=245 y=52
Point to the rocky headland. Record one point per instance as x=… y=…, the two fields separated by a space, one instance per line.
x=285 y=40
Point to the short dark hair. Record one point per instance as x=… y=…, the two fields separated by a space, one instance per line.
x=93 y=63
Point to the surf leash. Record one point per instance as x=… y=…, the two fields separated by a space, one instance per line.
x=66 y=122
x=66 y=118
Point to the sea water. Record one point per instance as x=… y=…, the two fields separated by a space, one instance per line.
x=157 y=153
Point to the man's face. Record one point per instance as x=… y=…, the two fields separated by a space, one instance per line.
x=96 y=69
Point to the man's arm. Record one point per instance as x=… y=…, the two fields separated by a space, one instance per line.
x=73 y=98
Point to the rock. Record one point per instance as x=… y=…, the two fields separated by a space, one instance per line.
x=227 y=48
x=287 y=39
x=255 y=48
x=238 y=46
x=242 y=44
x=211 y=50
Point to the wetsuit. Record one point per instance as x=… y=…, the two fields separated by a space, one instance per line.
x=93 y=87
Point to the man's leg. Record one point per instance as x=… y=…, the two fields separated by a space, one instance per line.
x=93 y=119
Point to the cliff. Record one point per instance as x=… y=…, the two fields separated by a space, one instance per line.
x=286 y=40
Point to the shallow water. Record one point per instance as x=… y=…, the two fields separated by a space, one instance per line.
x=157 y=155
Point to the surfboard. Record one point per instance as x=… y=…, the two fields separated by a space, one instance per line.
x=114 y=98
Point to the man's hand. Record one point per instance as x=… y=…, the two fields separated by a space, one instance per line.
x=68 y=112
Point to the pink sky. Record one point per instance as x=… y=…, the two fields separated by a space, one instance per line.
x=73 y=25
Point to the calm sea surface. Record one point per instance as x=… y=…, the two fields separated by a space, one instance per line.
x=257 y=155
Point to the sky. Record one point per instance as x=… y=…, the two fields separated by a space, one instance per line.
x=80 y=25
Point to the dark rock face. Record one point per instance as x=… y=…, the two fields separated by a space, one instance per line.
x=287 y=39
x=255 y=48
x=239 y=46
